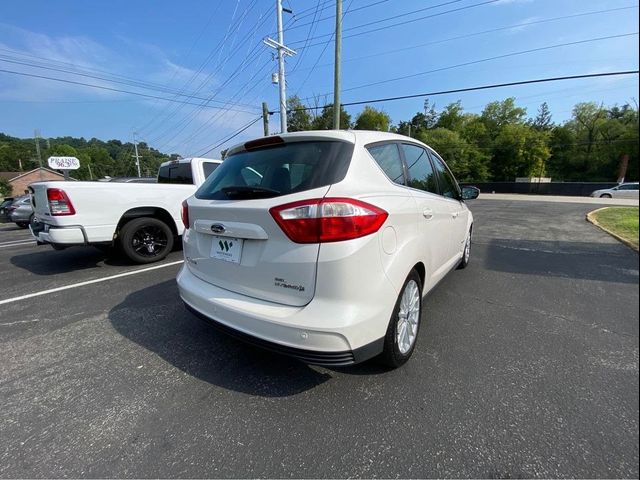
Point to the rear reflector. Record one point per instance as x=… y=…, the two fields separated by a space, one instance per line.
x=59 y=203
x=328 y=219
x=185 y=214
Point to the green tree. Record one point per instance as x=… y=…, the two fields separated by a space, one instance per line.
x=5 y=188
x=452 y=117
x=372 y=119
x=467 y=162
x=519 y=151
x=324 y=121
x=500 y=113
x=543 y=121
x=298 y=117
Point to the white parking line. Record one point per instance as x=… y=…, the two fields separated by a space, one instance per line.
x=88 y=282
x=17 y=243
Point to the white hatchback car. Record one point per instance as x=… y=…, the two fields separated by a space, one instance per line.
x=321 y=245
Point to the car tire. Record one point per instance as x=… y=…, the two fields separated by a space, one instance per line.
x=466 y=253
x=404 y=325
x=22 y=224
x=605 y=195
x=146 y=240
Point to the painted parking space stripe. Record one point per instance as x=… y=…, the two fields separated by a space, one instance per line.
x=89 y=282
x=17 y=243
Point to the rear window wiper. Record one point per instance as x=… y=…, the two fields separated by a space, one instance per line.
x=246 y=193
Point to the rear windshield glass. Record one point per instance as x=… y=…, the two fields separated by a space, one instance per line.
x=175 y=173
x=208 y=168
x=278 y=170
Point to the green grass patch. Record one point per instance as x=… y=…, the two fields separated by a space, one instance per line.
x=622 y=221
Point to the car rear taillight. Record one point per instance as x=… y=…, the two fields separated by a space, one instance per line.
x=185 y=214
x=328 y=219
x=59 y=203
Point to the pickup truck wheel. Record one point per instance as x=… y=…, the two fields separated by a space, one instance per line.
x=146 y=240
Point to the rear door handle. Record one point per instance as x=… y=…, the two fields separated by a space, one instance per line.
x=427 y=213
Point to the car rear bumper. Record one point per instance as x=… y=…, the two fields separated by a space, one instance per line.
x=45 y=233
x=295 y=331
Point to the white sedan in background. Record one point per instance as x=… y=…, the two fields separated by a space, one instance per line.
x=624 y=190
x=321 y=245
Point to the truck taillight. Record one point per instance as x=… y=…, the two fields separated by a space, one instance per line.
x=328 y=219
x=59 y=203
x=185 y=214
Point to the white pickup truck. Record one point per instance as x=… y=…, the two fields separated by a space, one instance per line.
x=142 y=219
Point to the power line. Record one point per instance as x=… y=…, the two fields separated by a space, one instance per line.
x=332 y=17
x=467 y=7
x=232 y=29
x=481 y=87
x=231 y=137
x=496 y=57
x=101 y=87
x=132 y=82
x=249 y=56
x=474 y=34
x=326 y=45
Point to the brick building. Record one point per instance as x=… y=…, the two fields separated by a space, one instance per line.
x=20 y=180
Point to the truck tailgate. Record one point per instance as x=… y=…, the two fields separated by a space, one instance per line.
x=39 y=200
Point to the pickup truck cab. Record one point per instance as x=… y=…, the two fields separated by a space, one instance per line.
x=142 y=219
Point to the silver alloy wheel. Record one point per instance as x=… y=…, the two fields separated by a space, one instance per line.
x=408 y=317
x=467 y=249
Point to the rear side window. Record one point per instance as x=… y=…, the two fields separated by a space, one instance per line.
x=278 y=170
x=388 y=157
x=175 y=173
x=448 y=185
x=421 y=174
x=208 y=168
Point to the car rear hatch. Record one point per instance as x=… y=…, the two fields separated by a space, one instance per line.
x=235 y=243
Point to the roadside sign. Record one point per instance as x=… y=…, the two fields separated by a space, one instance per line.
x=64 y=163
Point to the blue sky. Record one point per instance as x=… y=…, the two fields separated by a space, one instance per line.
x=213 y=50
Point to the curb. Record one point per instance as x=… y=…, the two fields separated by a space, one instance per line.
x=591 y=219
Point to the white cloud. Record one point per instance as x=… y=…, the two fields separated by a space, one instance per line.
x=85 y=56
x=522 y=25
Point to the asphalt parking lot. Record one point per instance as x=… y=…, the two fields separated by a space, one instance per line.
x=526 y=366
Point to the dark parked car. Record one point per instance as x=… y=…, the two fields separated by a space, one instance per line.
x=4 y=205
x=21 y=211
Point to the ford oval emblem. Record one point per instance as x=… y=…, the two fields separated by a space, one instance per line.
x=218 y=228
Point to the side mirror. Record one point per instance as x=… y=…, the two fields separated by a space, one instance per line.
x=469 y=193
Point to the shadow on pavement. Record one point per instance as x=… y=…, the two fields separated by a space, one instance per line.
x=601 y=262
x=156 y=319
x=47 y=261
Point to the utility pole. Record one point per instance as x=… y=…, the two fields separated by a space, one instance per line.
x=282 y=51
x=36 y=134
x=90 y=172
x=336 y=71
x=135 y=146
x=265 y=118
